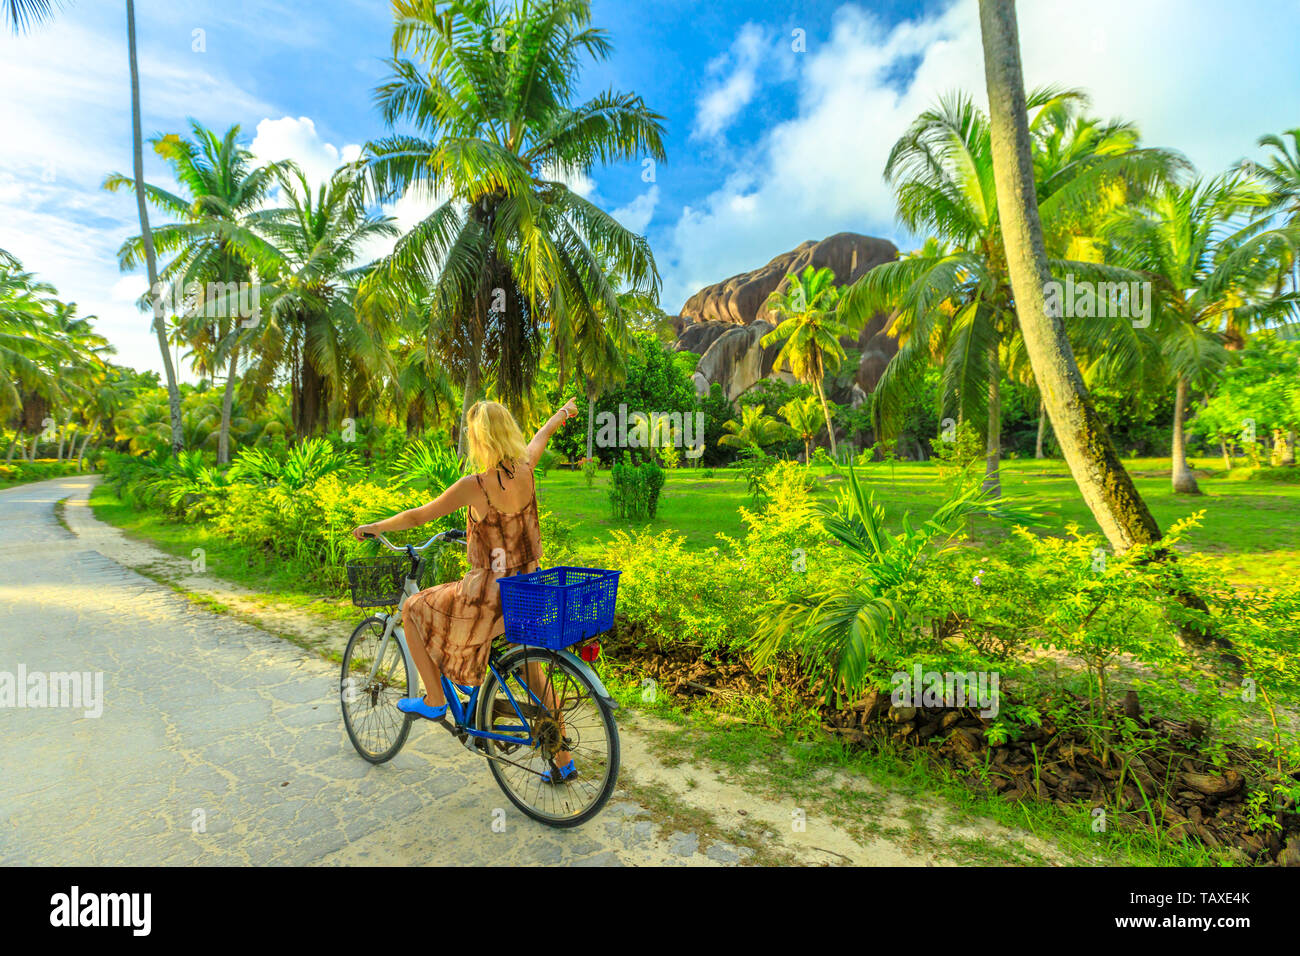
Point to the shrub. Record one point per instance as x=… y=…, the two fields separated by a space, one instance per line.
x=634 y=489
x=432 y=468
x=589 y=466
x=754 y=464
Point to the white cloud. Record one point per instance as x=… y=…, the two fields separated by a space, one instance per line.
x=129 y=288
x=298 y=140
x=1158 y=63
x=736 y=84
x=636 y=215
x=66 y=113
x=575 y=179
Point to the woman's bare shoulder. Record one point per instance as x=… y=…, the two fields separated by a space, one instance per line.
x=463 y=488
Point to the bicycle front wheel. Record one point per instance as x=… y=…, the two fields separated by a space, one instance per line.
x=563 y=714
x=374 y=724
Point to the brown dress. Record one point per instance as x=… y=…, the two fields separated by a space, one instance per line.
x=458 y=620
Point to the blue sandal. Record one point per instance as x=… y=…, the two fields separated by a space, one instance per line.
x=566 y=772
x=417 y=706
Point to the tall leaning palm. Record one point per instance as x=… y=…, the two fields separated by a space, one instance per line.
x=810 y=331
x=1106 y=486
x=222 y=187
x=510 y=250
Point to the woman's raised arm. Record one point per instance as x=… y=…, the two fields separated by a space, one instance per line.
x=538 y=444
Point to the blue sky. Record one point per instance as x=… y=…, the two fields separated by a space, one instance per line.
x=768 y=145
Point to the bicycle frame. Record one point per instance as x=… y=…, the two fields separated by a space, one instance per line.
x=463 y=715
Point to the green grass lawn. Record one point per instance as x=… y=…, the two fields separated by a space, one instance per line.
x=1248 y=529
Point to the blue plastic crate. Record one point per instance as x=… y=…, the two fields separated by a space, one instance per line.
x=558 y=606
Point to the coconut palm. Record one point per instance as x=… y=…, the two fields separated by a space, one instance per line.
x=803 y=415
x=1214 y=282
x=305 y=254
x=222 y=186
x=27 y=345
x=953 y=298
x=1106 y=486
x=425 y=393
x=20 y=16
x=510 y=250
x=1279 y=176
x=753 y=429
x=810 y=331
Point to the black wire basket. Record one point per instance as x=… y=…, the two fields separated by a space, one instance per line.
x=378 y=581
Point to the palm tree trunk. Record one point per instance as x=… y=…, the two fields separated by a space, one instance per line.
x=81 y=454
x=314 y=406
x=227 y=405
x=993 y=445
x=1106 y=486
x=31 y=454
x=63 y=437
x=591 y=425
x=1043 y=431
x=470 y=396
x=826 y=411
x=150 y=258
x=1288 y=456
x=17 y=440
x=1227 y=459
x=1183 y=479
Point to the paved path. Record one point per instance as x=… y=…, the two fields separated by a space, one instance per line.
x=219 y=743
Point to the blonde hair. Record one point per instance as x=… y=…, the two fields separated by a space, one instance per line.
x=492 y=435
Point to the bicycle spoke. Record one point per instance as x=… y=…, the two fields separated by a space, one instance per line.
x=370 y=703
x=556 y=697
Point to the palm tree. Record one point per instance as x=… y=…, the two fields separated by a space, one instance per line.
x=953 y=298
x=305 y=254
x=1106 y=486
x=598 y=344
x=754 y=429
x=1280 y=177
x=810 y=330
x=80 y=375
x=21 y=15
x=801 y=414
x=33 y=353
x=421 y=382
x=510 y=250
x=1214 y=283
x=223 y=187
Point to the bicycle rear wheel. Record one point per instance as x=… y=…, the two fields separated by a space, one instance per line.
x=563 y=713
x=374 y=724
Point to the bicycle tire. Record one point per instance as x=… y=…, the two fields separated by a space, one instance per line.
x=402 y=725
x=606 y=714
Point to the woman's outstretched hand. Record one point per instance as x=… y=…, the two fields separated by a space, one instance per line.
x=363 y=531
x=570 y=409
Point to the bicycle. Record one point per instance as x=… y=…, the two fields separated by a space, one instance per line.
x=534 y=702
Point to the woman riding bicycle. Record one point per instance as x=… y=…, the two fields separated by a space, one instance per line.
x=453 y=624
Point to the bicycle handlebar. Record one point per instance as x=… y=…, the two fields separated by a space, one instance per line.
x=453 y=534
